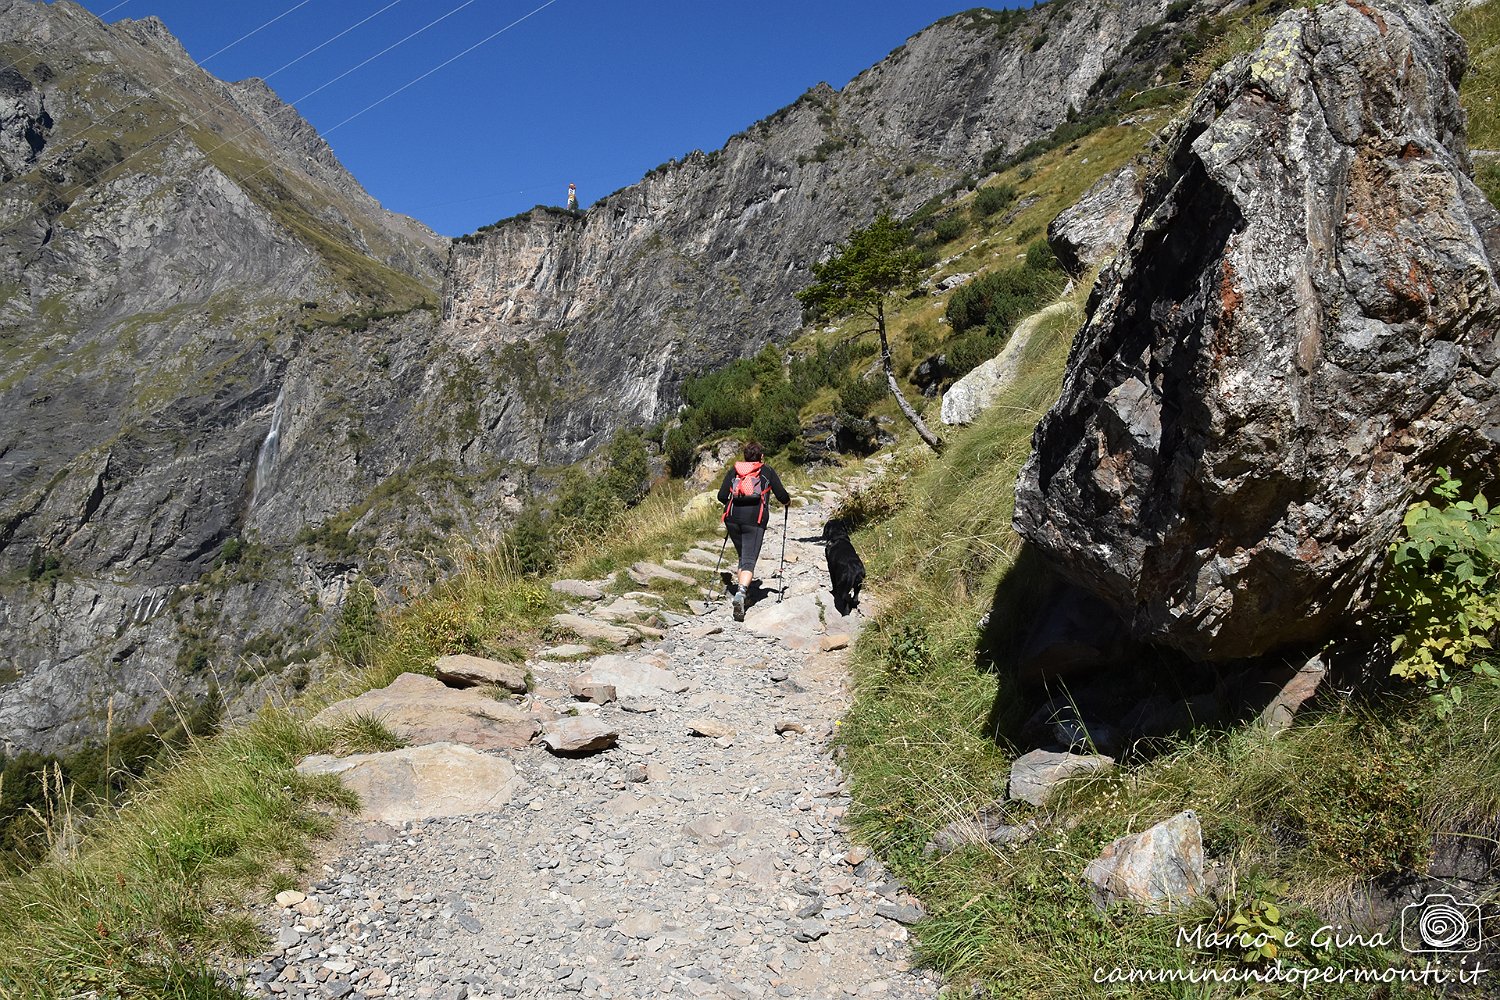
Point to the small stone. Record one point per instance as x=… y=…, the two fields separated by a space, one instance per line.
x=637 y=773
x=810 y=930
x=598 y=693
x=289 y=898
x=567 y=651
x=711 y=728
x=902 y=913
x=1159 y=868
x=578 y=735
x=1035 y=776
x=838 y=640
x=856 y=856
x=588 y=628
x=784 y=726
x=470 y=671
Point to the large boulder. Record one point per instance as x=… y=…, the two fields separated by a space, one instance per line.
x=1094 y=228
x=1300 y=329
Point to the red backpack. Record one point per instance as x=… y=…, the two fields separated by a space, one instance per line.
x=748 y=484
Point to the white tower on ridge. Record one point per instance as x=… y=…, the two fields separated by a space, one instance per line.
x=572 y=197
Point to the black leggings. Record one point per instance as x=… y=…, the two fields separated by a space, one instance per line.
x=746 y=539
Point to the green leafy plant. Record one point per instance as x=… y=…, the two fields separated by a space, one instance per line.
x=1441 y=583
x=1255 y=924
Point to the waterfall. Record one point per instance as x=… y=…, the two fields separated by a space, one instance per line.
x=266 y=460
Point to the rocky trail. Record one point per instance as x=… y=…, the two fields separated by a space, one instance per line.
x=677 y=828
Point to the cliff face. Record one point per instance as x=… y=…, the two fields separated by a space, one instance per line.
x=697 y=264
x=160 y=233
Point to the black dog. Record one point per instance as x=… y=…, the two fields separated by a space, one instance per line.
x=846 y=572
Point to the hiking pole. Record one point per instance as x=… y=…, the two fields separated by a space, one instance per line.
x=781 y=573
x=719 y=562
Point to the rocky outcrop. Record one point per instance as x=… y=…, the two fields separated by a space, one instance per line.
x=697 y=264
x=1300 y=329
x=978 y=390
x=1092 y=229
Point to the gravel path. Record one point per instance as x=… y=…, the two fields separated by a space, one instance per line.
x=673 y=864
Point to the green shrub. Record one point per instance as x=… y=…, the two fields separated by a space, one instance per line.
x=951 y=227
x=627 y=473
x=776 y=423
x=681 y=449
x=1000 y=299
x=992 y=199
x=1039 y=256
x=857 y=396
x=1442 y=586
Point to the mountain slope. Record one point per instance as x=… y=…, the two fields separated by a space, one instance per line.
x=232 y=405
x=697 y=264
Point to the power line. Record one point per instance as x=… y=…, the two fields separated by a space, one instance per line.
x=353 y=69
x=404 y=87
x=245 y=131
x=158 y=140
x=444 y=65
x=369 y=107
x=99 y=123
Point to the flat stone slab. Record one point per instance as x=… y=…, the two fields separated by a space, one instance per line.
x=471 y=671
x=633 y=678
x=852 y=624
x=423 y=710
x=644 y=573
x=578 y=588
x=1159 y=868
x=567 y=651
x=1036 y=775
x=588 y=628
x=579 y=735
x=794 y=621
x=426 y=782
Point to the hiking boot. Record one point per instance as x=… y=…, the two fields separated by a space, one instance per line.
x=739 y=605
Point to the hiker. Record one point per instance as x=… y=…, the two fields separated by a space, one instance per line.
x=744 y=496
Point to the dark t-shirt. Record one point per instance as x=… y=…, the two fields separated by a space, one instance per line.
x=746 y=511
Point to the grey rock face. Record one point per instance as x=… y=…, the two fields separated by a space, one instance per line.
x=1091 y=230
x=1300 y=329
x=697 y=264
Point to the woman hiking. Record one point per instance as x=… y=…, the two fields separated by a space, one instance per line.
x=744 y=496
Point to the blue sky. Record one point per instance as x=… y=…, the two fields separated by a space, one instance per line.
x=596 y=92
